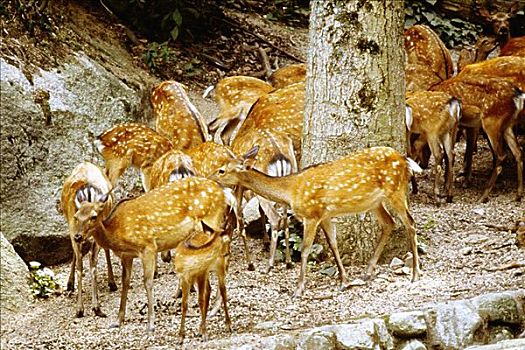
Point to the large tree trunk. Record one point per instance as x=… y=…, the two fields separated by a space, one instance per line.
x=354 y=94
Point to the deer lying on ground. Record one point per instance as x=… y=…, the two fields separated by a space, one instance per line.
x=131 y=144
x=200 y=254
x=362 y=181
x=428 y=59
x=153 y=222
x=85 y=185
x=435 y=117
x=235 y=96
x=288 y=75
x=492 y=104
x=176 y=117
x=275 y=158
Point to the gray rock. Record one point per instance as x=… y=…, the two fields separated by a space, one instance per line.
x=407 y=324
x=499 y=307
x=317 y=340
x=251 y=211
x=514 y=344
x=412 y=344
x=452 y=325
x=279 y=342
x=367 y=334
x=14 y=279
x=48 y=126
x=268 y=325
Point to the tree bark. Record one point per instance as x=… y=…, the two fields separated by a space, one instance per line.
x=354 y=94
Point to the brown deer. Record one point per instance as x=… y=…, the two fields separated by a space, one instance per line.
x=492 y=104
x=287 y=75
x=86 y=184
x=276 y=157
x=477 y=53
x=153 y=222
x=428 y=59
x=131 y=144
x=176 y=117
x=362 y=181
x=171 y=166
x=514 y=47
x=235 y=96
x=200 y=254
x=500 y=22
x=434 y=115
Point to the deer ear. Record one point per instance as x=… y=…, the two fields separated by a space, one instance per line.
x=104 y=197
x=484 y=12
x=252 y=153
x=513 y=8
x=206 y=228
x=79 y=198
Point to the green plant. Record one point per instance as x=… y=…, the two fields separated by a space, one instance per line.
x=453 y=31
x=157 y=54
x=192 y=68
x=430 y=224
x=43 y=280
x=296 y=245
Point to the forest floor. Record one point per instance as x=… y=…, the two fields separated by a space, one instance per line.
x=470 y=248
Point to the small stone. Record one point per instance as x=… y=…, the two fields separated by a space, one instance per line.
x=466 y=250
x=396 y=263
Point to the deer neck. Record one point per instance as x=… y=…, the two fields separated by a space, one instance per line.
x=277 y=189
x=106 y=239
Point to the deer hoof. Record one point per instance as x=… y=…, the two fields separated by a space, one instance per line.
x=268 y=269
x=367 y=276
x=112 y=286
x=80 y=313
x=99 y=312
x=70 y=287
x=251 y=267
x=114 y=325
x=449 y=199
x=289 y=265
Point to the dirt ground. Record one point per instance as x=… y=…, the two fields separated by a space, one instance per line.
x=469 y=251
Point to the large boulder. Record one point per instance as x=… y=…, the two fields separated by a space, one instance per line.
x=14 y=279
x=49 y=121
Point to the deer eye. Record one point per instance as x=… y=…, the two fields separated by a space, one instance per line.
x=221 y=171
x=92 y=218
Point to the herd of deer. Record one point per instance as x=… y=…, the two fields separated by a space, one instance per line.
x=195 y=187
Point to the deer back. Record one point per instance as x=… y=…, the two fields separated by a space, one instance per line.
x=287 y=75
x=136 y=142
x=423 y=46
x=165 y=216
x=512 y=67
x=431 y=113
x=514 y=47
x=176 y=117
x=173 y=165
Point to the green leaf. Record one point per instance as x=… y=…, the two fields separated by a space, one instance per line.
x=174 y=33
x=177 y=17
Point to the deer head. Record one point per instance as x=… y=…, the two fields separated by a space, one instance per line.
x=500 y=22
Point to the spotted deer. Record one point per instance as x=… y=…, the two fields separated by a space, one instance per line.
x=500 y=22
x=200 y=254
x=171 y=166
x=428 y=59
x=83 y=187
x=131 y=144
x=363 y=181
x=477 y=53
x=276 y=158
x=235 y=96
x=493 y=104
x=153 y=222
x=287 y=75
x=435 y=116
x=176 y=117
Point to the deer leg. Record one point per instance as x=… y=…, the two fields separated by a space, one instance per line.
x=240 y=226
x=149 y=259
x=387 y=224
x=71 y=279
x=166 y=256
x=499 y=156
x=448 y=145
x=273 y=217
x=127 y=264
x=115 y=168
x=221 y=277
x=284 y=224
x=471 y=142
x=77 y=249
x=95 y=249
x=516 y=152
x=400 y=205
x=185 y=286
x=203 y=287
x=435 y=148
x=330 y=234
x=310 y=227
x=111 y=277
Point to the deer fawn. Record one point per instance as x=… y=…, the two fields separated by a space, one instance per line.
x=131 y=144
x=86 y=184
x=153 y=222
x=276 y=158
x=235 y=96
x=200 y=254
x=363 y=181
x=428 y=60
x=478 y=53
x=434 y=115
x=176 y=117
x=288 y=75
